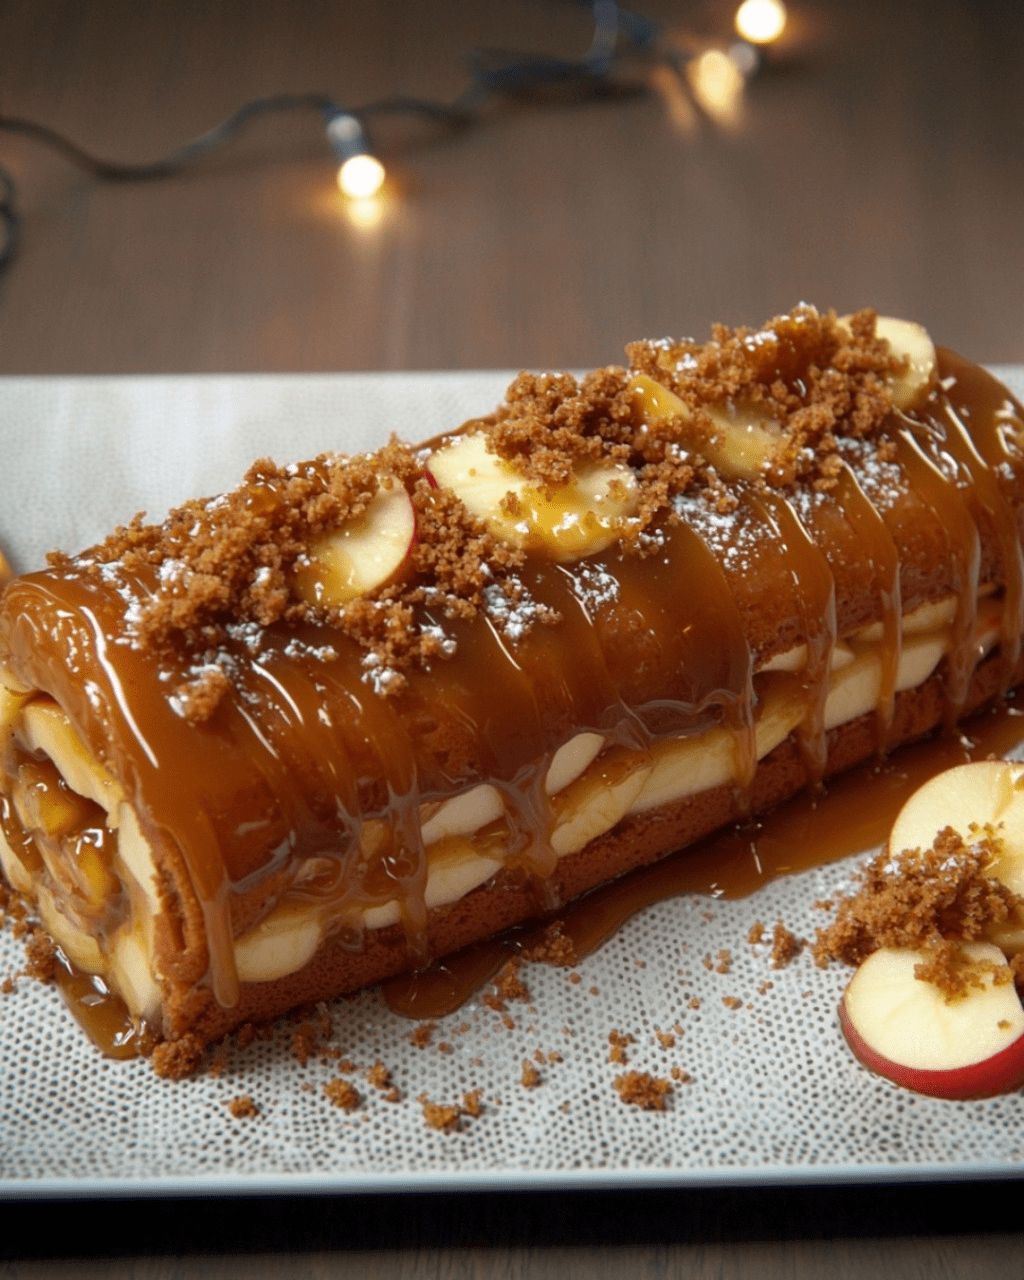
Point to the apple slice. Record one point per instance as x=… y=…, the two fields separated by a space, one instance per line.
x=904 y=1029
x=571 y=759
x=47 y=729
x=463 y=814
x=597 y=799
x=747 y=440
x=913 y=341
x=578 y=519
x=983 y=793
x=968 y=798
x=364 y=553
x=280 y=944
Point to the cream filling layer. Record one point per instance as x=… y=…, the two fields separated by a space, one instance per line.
x=591 y=787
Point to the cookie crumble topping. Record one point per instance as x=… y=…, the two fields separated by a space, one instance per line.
x=222 y=570
x=927 y=900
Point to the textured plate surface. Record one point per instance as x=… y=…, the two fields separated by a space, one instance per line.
x=774 y=1095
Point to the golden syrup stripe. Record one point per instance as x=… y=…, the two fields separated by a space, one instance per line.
x=874 y=535
x=976 y=396
x=942 y=497
x=717 y=614
x=365 y=732
x=816 y=591
x=985 y=492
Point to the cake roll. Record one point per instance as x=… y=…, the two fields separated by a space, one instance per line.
x=363 y=711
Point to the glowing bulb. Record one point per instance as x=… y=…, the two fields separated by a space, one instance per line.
x=761 y=21
x=361 y=176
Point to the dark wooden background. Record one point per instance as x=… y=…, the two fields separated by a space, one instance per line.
x=879 y=161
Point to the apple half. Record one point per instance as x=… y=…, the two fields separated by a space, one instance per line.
x=968 y=798
x=364 y=553
x=904 y=1029
x=577 y=519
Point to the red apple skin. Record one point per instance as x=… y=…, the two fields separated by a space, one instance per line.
x=1002 y=1073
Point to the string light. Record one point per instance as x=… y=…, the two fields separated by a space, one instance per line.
x=360 y=173
x=761 y=21
x=360 y=177
x=678 y=66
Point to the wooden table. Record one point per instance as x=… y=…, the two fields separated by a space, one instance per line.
x=879 y=161
x=846 y=1233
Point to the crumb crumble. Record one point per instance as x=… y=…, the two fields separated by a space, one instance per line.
x=422 y=1034
x=619 y=1042
x=304 y=1043
x=379 y=1076
x=927 y=900
x=555 y=948
x=508 y=985
x=641 y=1089
x=824 y=380
x=343 y=1094
x=177 y=1059
x=786 y=946
x=243 y=1107
x=218 y=572
x=445 y=1117
x=530 y=1077
x=40 y=956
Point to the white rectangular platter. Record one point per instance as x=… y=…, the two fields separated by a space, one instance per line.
x=774 y=1094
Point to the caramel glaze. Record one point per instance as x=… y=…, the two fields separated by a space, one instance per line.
x=304 y=759
x=99 y=1011
x=808 y=569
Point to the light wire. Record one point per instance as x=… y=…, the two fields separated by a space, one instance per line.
x=494 y=75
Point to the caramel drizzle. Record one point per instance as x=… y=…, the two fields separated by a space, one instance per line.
x=942 y=497
x=975 y=411
x=809 y=569
x=713 y=659
x=874 y=535
x=331 y=733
